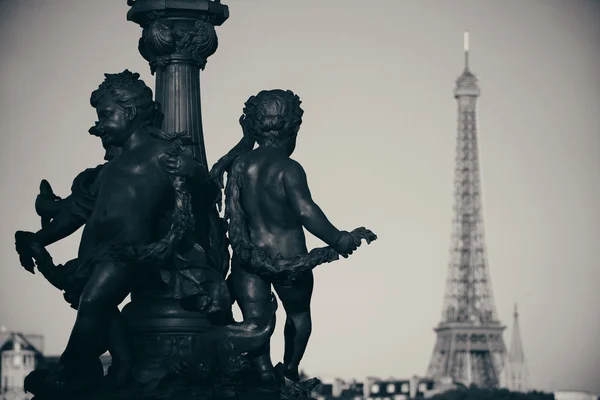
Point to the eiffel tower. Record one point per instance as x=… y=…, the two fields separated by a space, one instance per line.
x=470 y=346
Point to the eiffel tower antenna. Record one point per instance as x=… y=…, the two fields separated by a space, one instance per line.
x=466 y=45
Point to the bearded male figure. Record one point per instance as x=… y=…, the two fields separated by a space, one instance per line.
x=139 y=216
x=268 y=203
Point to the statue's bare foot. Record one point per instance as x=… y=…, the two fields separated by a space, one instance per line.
x=35 y=382
x=300 y=390
x=291 y=373
x=119 y=374
x=57 y=377
x=63 y=378
x=268 y=382
x=286 y=373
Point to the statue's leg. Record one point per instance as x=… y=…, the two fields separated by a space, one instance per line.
x=107 y=287
x=298 y=324
x=253 y=295
x=120 y=348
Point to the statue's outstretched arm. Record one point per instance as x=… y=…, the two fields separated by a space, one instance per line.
x=62 y=217
x=48 y=208
x=59 y=276
x=309 y=213
x=55 y=274
x=62 y=225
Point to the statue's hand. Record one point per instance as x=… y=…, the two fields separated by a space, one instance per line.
x=182 y=165
x=346 y=244
x=217 y=174
x=31 y=252
x=22 y=245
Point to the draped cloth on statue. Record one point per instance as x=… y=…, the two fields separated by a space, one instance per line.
x=191 y=272
x=83 y=196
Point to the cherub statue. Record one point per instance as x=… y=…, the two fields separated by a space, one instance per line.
x=56 y=214
x=59 y=218
x=137 y=211
x=268 y=203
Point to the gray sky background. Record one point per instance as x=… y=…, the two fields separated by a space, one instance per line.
x=378 y=144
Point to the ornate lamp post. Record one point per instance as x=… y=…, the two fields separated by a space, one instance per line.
x=185 y=342
x=178 y=37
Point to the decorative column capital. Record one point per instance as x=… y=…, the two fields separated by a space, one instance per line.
x=177 y=30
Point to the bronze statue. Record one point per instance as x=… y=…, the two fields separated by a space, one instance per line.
x=68 y=277
x=139 y=214
x=137 y=211
x=268 y=203
x=60 y=218
x=151 y=229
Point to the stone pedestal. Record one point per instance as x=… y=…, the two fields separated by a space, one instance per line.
x=163 y=333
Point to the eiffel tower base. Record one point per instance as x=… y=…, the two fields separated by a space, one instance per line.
x=471 y=355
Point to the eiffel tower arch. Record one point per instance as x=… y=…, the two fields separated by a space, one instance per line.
x=470 y=346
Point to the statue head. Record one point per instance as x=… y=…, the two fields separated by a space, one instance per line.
x=123 y=104
x=273 y=118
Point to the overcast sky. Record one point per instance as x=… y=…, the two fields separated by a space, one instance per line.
x=377 y=142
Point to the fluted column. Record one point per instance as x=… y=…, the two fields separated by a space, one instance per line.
x=178 y=92
x=178 y=37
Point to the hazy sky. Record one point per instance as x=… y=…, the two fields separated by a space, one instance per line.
x=377 y=142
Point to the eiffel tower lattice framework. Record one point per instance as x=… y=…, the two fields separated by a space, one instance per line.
x=470 y=346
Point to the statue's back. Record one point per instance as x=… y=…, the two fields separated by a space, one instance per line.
x=270 y=218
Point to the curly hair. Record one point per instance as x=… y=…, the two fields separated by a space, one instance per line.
x=272 y=115
x=269 y=116
x=128 y=90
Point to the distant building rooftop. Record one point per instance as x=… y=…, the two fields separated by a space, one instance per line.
x=574 y=395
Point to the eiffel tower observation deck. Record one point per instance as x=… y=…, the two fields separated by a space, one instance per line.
x=470 y=347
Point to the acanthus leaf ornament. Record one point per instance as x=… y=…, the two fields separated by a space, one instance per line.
x=164 y=41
